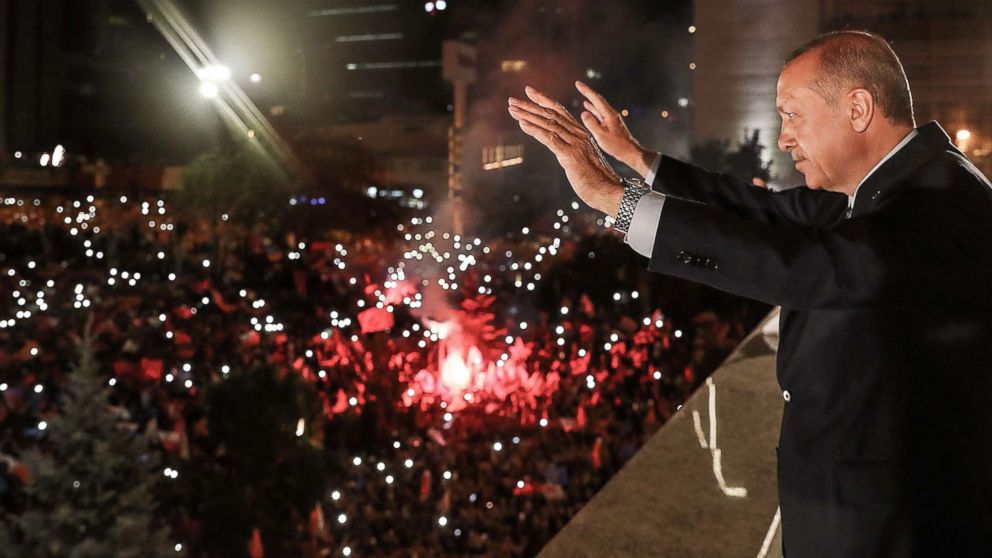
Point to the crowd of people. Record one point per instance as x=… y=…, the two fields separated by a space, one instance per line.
x=474 y=393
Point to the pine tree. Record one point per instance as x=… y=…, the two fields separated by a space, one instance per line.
x=92 y=482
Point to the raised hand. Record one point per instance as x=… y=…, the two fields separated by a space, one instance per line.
x=610 y=131
x=547 y=121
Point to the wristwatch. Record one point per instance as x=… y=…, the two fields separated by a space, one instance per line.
x=633 y=190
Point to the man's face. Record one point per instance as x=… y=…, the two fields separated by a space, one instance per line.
x=816 y=134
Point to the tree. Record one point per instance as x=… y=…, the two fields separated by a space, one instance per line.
x=743 y=161
x=92 y=483
x=236 y=180
x=265 y=473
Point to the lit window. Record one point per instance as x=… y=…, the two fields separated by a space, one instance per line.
x=510 y=66
x=501 y=156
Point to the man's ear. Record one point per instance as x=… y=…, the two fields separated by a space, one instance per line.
x=862 y=109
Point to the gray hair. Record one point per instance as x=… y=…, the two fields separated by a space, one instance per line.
x=859 y=59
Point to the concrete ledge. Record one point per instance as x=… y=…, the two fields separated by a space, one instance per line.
x=669 y=500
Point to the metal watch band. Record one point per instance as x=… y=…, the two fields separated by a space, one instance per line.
x=633 y=190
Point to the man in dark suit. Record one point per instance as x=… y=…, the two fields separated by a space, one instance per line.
x=883 y=267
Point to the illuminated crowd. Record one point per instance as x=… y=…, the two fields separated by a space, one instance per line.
x=475 y=393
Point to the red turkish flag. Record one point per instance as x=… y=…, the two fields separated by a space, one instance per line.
x=597 y=461
x=341 y=404
x=425 y=485
x=124 y=368
x=527 y=489
x=255 y=547
x=317 y=522
x=219 y=301
x=436 y=435
x=581 y=364
x=184 y=344
x=586 y=334
x=375 y=319
x=183 y=312
x=152 y=368
x=21 y=471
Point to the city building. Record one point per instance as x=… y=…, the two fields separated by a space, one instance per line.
x=95 y=77
x=362 y=61
x=398 y=158
x=31 y=66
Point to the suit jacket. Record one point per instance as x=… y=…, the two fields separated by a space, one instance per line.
x=885 y=351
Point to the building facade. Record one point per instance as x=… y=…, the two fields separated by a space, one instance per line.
x=31 y=69
x=362 y=61
x=96 y=77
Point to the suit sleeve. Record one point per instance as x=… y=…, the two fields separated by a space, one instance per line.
x=915 y=249
x=799 y=206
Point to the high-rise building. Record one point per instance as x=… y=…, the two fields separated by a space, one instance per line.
x=96 y=77
x=365 y=60
x=31 y=70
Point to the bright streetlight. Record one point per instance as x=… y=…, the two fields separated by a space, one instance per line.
x=214 y=73
x=209 y=90
x=58 y=155
x=210 y=77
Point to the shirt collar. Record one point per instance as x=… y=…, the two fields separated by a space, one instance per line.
x=909 y=137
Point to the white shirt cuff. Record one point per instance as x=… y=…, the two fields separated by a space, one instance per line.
x=644 y=225
x=653 y=172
